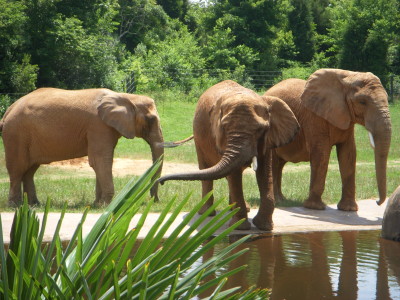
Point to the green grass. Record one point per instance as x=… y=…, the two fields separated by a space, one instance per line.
x=176 y=121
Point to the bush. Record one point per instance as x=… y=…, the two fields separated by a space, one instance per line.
x=5 y=102
x=101 y=265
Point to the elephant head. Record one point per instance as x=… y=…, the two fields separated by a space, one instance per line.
x=134 y=115
x=243 y=126
x=343 y=98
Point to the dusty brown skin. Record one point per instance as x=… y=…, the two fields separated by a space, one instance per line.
x=52 y=124
x=232 y=125
x=327 y=106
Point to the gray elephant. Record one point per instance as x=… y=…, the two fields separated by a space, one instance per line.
x=391 y=217
x=51 y=124
x=233 y=127
x=327 y=106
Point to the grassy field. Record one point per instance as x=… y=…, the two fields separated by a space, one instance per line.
x=176 y=120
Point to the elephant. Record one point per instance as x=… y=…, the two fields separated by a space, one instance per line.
x=327 y=106
x=233 y=126
x=51 y=124
x=391 y=217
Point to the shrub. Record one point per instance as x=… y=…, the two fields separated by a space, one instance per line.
x=101 y=265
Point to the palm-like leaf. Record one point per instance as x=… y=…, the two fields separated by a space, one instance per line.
x=110 y=262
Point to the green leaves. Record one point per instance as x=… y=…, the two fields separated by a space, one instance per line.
x=111 y=262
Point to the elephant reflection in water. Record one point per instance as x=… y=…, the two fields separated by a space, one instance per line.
x=389 y=262
x=298 y=267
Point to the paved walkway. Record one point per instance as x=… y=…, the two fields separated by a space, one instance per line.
x=286 y=220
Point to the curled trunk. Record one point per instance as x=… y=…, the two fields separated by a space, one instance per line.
x=234 y=157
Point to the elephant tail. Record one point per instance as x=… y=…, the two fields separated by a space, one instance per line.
x=176 y=143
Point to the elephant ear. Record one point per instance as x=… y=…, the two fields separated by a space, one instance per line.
x=283 y=123
x=325 y=95
x=118 y=112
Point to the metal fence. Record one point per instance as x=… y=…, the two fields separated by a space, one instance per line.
x=187 y=77
x=259 y=80
x=393 y=88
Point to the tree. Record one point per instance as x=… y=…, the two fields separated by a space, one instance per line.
x=176 y=9
x=17 y=74
x=301 y=26
x=163 y=63
x=363 y=31
x=74 y=46
x=253 y=24
x=139 y=17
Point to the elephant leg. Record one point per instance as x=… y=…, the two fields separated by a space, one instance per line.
x=277 y=168
x=29 y=185
x=346 y=154
x=102 y=165
x=263 y=219
x=16 y=172
x=15 y=194
x=236 y=197
x=319 y=160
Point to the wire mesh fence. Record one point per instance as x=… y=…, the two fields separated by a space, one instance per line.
x=188 y=78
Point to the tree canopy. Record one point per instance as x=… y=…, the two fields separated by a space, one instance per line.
x=100 y=43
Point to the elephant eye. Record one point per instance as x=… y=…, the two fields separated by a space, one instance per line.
x=150 y=118
x=363 y=102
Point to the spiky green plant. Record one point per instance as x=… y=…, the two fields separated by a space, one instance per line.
x=101 y=265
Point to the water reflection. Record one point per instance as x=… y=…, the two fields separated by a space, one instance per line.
x=321 y=265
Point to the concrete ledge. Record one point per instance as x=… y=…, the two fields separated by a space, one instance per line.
x=286 y=220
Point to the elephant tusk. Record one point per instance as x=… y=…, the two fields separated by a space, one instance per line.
x=254 y=163
x=371 y=139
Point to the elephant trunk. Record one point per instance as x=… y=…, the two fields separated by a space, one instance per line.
x=381 y=138
x=234 y=157
x=155 y=142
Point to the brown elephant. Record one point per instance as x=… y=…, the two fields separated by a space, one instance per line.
x=51 y=124
x=327 y=106
x=232 y=127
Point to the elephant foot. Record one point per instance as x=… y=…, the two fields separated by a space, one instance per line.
x=14 y=203
x=34 y=202
x=100 y=204
x=312 y=204
x=279 y=197
x=244 y=226
x=347 y=205
x=263 y=223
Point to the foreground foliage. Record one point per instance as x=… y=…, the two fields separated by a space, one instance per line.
x=101 y=265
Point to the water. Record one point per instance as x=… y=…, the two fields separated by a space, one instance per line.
x=321 y=265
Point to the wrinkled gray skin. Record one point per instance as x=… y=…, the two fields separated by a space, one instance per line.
x=391 y=217
x=52 y=124
x=233 y=126
x=327 y=106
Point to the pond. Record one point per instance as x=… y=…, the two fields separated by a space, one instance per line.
x=321 y=265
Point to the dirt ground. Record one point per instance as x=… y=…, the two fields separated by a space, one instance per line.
x=124 y=166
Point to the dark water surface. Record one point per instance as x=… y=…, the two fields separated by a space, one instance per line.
x=321 y=265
